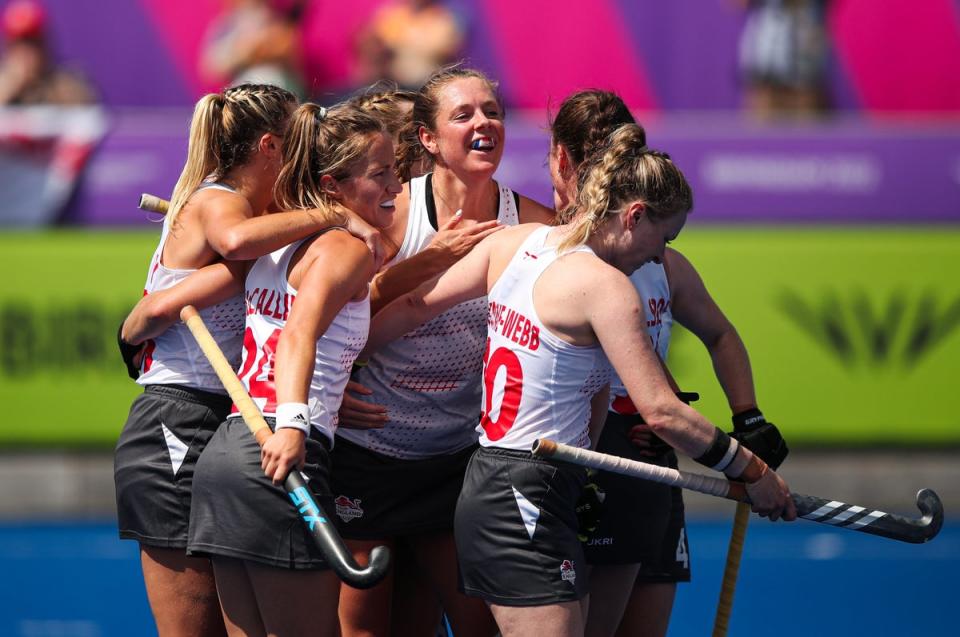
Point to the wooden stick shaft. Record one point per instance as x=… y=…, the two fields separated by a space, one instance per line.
x=238 y=393
x=732 y=570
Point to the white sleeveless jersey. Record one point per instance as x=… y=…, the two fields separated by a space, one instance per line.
x=429 y=379
x=269 y=298
x=535 y=384
x=654 y=289
x=174 y=358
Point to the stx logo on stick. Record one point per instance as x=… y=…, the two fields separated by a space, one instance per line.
x=309 y=511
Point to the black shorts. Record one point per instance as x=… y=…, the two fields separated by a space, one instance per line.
x=642 y=521
x=153 y=464
x=380 y=497
x=516 y=530
x=238 y=512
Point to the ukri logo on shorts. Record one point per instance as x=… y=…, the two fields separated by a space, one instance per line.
x=567 y=572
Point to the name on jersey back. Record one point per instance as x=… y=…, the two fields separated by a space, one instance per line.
x=269 y=302
x=513 y=326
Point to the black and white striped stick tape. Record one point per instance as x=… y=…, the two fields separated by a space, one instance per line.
x=820 y=510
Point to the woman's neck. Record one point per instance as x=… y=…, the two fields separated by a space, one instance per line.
x=478 y=199
x=248 y=181
x=602 y=241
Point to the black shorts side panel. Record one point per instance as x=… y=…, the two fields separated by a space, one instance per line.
x=516 y=530
x=642 y=521
x=154 y=461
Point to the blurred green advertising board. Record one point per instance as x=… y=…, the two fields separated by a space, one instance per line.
x=853 y=332
x=63 y=297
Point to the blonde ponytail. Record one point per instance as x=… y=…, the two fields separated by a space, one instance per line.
x=206 y=131
x=224 y=131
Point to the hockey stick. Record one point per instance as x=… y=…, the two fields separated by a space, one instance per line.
x=324 y=534
x=152 y=203
x=731 y=570
x=848 y=516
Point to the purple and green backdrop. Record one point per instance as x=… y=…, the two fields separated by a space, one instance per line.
x=834 y=246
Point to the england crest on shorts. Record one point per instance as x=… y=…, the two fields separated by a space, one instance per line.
x=567 y=572
x=348 y=509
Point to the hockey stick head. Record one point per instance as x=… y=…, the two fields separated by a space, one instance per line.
x=376 y=569
x=932 y=509
x=368 y=576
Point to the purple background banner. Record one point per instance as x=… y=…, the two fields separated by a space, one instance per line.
x=741 y=171
x=894 y=55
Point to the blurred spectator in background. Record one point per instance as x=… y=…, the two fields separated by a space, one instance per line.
x=28 y=74
x=406 y=41
x=255 y=41
x=783 y=57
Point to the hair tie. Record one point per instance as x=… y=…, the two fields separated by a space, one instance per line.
x=321 y=113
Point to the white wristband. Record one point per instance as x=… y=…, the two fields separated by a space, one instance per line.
x=293 y=416
x=728 y=457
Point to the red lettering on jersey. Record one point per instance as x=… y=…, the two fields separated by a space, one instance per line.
x=658 y=307
x=266 y=304
x=495 y=317
x=518 y=325
x=525 y=334
x=509 y=323
x=515 y=327
x=277 y=313
x=260 y=300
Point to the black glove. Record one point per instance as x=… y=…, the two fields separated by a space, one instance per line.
x=128 y=352
x=657 y=445
x=763 y=438
x=589 y=508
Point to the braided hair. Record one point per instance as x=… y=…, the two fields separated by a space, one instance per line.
x=224 y=133
x=622 y=171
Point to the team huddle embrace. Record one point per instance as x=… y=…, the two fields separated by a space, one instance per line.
x=408 y=326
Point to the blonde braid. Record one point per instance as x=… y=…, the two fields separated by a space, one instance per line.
x=624 y=171
x=224 y=132
x=593 y=194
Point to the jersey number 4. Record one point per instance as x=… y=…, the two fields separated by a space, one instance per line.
x=257 y=371
x=512 y=391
